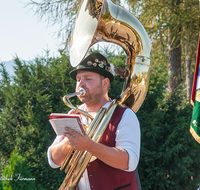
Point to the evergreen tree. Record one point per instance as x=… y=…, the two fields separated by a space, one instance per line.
x=17 y=175
x=169 y=154
x=26 y=102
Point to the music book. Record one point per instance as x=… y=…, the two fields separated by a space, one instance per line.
x=60 y=120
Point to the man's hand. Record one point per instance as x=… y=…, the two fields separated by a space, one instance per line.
x=59 y=151
x=114 y=157
x=78 y=141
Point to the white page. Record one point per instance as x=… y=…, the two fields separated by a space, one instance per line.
x=60 y=124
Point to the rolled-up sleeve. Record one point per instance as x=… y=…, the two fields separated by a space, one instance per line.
x=128 y=137
x=51 y=163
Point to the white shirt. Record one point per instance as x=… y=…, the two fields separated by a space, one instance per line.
x=127 y=137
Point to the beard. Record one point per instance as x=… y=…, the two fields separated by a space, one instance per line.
x=93 y=96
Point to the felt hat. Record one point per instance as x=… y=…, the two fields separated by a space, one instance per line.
x=95 y=63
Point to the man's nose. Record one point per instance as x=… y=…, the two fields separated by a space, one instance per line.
x=81 y=83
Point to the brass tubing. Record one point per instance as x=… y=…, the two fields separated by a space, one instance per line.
x=104 y=122
x=78 y=154
x=81 y=92
x=90 y=132
x=70 y=167
x=74 y=165
x=69 y=104
x=95 y=122
x=132 y=37
x=75 y=156
x=67 y=158
x=78 y=172
x=82 y=164
x=71 y=161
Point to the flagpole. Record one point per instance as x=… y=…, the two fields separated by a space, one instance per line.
x=195 y=74
x=195 y=101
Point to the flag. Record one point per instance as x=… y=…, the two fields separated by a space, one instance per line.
x=195 y=100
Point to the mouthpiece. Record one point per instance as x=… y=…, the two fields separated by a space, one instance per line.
x=80 y=92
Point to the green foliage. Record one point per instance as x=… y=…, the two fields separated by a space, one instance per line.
x=1 y=185
x=1 y=170
x=173 y=28
x=35 y=91
x=169 y=154
x=159 y=16
x=17 y=174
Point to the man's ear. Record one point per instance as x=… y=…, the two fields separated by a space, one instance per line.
x=106 y=83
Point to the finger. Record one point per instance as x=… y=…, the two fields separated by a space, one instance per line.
x=70 y=137
x=71 y=131
x=67 y=134
x=72 y=140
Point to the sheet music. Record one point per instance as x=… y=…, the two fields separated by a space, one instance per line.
x=60 y=124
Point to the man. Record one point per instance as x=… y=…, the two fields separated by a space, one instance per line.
x=119 y=148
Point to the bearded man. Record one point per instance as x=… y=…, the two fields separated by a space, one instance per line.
x=117 y=153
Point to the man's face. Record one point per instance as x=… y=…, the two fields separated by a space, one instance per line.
x=92 y=83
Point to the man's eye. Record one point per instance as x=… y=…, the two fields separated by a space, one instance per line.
x=88 y=78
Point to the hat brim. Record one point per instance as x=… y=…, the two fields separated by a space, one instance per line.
x=102 y=72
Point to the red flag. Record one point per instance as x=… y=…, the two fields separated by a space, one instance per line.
x=195 y=74
x=195 y=100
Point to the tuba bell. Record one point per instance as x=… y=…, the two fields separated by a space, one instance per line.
x=103 y=21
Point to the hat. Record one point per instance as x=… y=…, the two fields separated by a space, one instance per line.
x=95 y=63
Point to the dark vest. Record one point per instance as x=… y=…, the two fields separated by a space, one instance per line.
x=103 y=177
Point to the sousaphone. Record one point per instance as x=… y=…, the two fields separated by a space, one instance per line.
x=103 y=21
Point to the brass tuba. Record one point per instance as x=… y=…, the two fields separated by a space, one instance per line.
x=103 y=21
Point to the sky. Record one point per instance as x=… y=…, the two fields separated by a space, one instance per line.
x=23 y=34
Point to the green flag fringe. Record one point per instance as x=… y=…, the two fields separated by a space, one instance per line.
x=194 y=134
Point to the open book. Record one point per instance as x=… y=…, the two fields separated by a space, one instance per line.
x=60 y=120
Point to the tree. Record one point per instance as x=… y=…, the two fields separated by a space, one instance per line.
x=61 y=12
x=17 y=174
x=169 y=154
x=191 y=40
x=174 y=46
x=171 y=24
x=35 y=91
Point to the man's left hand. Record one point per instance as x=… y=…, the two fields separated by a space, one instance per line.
x=76 y=140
